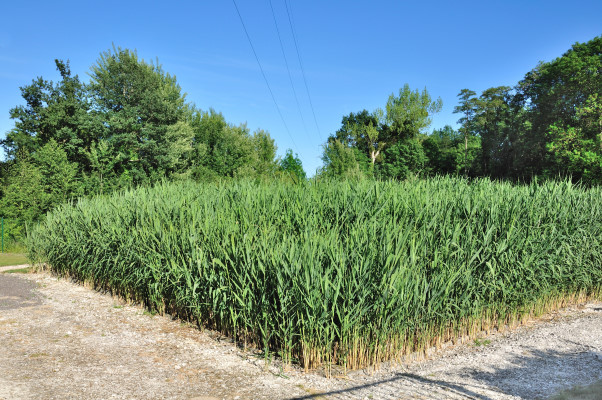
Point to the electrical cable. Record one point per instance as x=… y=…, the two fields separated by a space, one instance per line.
x=264 y=76
x=301 y=64
x=288 y=69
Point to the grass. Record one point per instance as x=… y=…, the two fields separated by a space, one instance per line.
x=342 y=273
x=7 y=259
x=19 y=271
x=478 y=342
x=149 y=313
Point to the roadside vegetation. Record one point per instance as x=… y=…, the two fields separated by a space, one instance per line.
x=406 y=237
x=336 y=272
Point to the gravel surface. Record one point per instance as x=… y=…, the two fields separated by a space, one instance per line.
x=60 y=340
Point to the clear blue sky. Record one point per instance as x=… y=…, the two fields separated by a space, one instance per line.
x=355 y=54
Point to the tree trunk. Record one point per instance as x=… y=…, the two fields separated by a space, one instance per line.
x=465 y=154
x=373 y=155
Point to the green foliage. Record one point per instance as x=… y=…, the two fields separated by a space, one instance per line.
x=264 y=149
x=129 y=126
x=494 y=124
x=291 y=166
x=574 y=155
x=409 y=113
x=361 y=132
x=403 y=160
x=577 y=151
x=331 y=271
x=369 y=143
x=25 y=196
x=553 y=93
x=467 y=107
x=343 y=161
x=443 y=152
x=102 y=177
x=590 y=117
x=143 y=110
x=224 y=150
x=58 y=174
x=35 y=185
x=59 y=112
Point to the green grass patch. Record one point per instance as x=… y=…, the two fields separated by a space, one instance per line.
x=19 y=271
x=7 y=259
x=478 y=342
x=326 y=273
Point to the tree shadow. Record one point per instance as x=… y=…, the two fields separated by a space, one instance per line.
x=534 y=374
x=538 y=374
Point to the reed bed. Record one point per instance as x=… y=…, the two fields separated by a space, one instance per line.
x=342 y=273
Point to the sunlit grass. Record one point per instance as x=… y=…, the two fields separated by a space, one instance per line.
x=334 y=272
x=19 y=271
x=7 y=259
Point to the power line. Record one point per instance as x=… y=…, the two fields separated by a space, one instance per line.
x=301 y=64
x=288 y=69
x=264 y=76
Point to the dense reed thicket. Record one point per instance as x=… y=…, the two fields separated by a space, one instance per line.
x=335 y=272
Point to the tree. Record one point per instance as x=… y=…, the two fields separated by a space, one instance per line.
x=574 y=155
x=25 y=198
x=402 y=160
x=58 y=174
x=362 y=130
x=409 y=113
x=141 y=106
x=552 y=95
x=265 y=154
x=590 y=117
x=101 y=177
x=178 y=149
x=291 y=166
x=343 y=161
x=494 y=123
x=369 y=135
x=468 y=107
x=443 y=151
x=61 y=112
x=220 y=149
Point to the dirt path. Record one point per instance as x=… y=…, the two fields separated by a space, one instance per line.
x=59 y=340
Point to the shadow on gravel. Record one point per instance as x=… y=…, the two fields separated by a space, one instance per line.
x=536 y=374
x=16 y=292
x=402 y=386
x=589 y=392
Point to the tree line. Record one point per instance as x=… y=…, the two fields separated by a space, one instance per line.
x=130 y=125
x=549 y=125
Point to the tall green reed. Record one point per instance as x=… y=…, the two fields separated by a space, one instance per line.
x=335 y=272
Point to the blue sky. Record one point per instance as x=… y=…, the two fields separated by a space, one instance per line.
x=354 y=54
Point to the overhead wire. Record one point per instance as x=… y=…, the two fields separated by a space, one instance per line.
x=264 y=76
x=288 y=69
x=301 y=65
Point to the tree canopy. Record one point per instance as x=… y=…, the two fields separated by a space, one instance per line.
x=548 y=125
x=383 y=143
x=129 y=125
